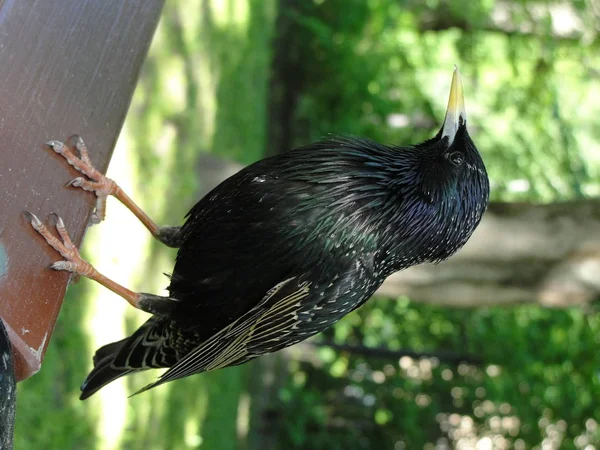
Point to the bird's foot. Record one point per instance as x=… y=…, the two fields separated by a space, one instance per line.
x=73 y=261
x=102 y=186
x=96 y=181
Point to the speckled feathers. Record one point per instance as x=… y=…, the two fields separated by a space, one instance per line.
x=289 y=245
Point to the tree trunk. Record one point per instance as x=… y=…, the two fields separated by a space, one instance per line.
x=521 y=253
x=287 y=79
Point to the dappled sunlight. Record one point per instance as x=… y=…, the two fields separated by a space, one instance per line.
x=231 y=13
x=520 y=391
x=243 y=416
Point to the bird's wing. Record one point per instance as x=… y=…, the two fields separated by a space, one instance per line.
x=264 y=328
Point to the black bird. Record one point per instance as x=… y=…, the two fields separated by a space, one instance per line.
x=288 y=246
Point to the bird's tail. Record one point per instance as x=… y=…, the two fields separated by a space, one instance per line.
x=103 y=372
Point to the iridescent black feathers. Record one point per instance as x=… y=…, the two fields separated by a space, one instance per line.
x=289 y=245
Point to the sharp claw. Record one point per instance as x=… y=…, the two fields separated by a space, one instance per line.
x=78 y=140
x=77 y=182
x=57 y=220
x=57 y=146
x=95 y=219
x=33 y=219
x=59 y=265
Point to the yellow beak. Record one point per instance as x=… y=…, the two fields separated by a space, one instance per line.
x=456 y=108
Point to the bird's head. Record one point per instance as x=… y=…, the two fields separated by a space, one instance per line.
x=422 y=202
x=449 y=165
x=443 y=185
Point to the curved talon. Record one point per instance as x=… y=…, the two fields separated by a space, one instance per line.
x=95 y=218
x=61 y=265
x=96 y=182
x=76 y=182
x=59 y=221
x=78 y=141
x=81 y=148
x=64 y=235
x=73 y=262
x=57 y=146
x=35 y=222
x=93 y=180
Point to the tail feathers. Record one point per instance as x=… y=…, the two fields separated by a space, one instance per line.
x=109 y=350
x=102 y=374
x=132 y=354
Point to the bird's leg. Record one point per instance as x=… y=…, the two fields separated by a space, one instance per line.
x=74 y=263
x=103 y=186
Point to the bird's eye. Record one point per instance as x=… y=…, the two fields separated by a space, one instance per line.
x=456 y=158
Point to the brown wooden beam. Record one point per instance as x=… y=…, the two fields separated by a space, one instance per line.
x=66 y=66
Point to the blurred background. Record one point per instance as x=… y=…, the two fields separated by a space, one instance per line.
x=495 y=349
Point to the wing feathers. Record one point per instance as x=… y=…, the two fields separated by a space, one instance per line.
x=260 y=330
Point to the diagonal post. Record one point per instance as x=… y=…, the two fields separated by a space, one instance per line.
x=66 y=66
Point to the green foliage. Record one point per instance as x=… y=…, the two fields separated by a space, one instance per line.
x=382 y=69
x=525 y=91
x=537 y=380
x=48 y=409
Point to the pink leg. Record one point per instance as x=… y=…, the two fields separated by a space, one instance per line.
x=74 y=263
x=98 y=183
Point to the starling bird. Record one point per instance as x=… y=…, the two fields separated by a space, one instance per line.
x=287 y=246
